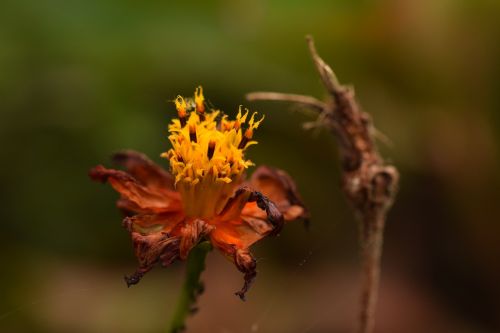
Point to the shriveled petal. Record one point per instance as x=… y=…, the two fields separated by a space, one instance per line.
x=279 y=187
x=174 y=241
x=248 y=266
x=151 y=249
x=152 y=223
x=141 y=196
x=144 y=170
x=190 y=234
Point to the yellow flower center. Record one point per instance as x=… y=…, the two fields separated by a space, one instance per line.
x=207 y=155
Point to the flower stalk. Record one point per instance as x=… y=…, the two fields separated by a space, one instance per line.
x=192 y=287
x=368 y=182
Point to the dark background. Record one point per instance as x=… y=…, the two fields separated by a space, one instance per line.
x=82 y=79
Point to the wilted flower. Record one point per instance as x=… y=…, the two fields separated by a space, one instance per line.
x=205 y=196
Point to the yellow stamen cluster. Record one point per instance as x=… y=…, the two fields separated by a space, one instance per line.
x=207 y=154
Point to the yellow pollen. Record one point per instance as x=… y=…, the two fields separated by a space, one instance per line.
x=207 y=156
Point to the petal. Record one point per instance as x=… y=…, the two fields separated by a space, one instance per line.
x=150 y=249
x=279 y=187
x=162 y=246
x=190 y=235
x=229 y=241
x=129 y=208
x=144 y=170
x=235 y=204
x=143 y=197
x=247 y=265
x=152 y=223
x=247 y=202
x=234 y=233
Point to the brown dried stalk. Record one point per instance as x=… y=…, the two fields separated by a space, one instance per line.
x=369 y=184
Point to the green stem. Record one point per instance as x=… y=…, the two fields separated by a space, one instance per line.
x=192 y=286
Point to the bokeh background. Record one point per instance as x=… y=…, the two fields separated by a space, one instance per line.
x=82 y=79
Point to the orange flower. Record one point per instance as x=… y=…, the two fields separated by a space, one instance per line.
x=205 y=196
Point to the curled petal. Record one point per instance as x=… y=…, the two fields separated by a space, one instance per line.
x=261 y=207
x=231 y=240
x=247 y=217
x=144 y=170
x=150 y=249
x=247 y=265
x=141 y=197
x=161 y=246
x=279 y=187
x=234 y=232
x=274 y=215
x=190 y=234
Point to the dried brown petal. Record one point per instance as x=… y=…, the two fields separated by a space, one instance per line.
x=144 y=170
x=145 y=198
x=247 y=265
x=150 y=249
x=279 y=187
x=190 y=234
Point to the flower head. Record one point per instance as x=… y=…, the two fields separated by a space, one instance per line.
x=205 y=194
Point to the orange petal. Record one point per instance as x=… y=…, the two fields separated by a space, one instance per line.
x=232 y=240
x=145 y=198
x=235 y=204
x=249 y=203
x=251 y=209
x=234 y=233
x=237 y=234
x=144 y=170
x=279 y=187
x=247 y=217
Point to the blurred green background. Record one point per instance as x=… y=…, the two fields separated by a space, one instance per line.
x=82 y=79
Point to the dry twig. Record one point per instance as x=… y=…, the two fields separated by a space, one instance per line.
x=369 y=184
